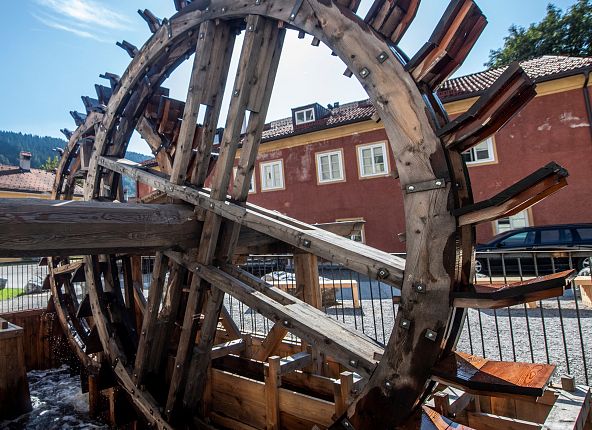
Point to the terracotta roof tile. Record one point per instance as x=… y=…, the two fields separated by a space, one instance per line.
x=539 y=69
x=12 y=178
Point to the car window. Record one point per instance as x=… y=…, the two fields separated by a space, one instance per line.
x=524 y=238
x=556 y=236
x=585 y=233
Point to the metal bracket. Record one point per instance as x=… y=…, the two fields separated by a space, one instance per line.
x=295 y=10
x=434 y=184
x=346 y=424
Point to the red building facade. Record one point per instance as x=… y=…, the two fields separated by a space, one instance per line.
x=555 y=126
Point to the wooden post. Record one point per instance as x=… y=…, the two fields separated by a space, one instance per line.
x=14 y=388
x=343 y=390
x=306 y=266
x=442 y=403
x=273 y=382
x=94 y=396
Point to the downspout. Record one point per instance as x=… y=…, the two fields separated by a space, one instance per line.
x=587 y=99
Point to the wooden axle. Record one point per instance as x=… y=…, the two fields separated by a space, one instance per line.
x=46 y=227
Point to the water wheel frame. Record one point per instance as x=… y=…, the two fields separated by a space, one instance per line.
x=433 y=177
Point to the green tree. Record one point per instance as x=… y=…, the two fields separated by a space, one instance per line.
x=568 y=33
x=51 y=164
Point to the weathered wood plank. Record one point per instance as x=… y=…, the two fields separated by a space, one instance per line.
x=33 y=227
x=481 y=376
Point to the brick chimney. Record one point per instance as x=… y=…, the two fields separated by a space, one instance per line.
x=25 y=161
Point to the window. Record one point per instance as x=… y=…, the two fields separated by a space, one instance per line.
x=480 y=153
x=272 y=175
x=304 y=116
x=373 y=160
x=556 y=236
x=330 y=166
x=252 y=187
x=510 y=223
x=585 y=233
x=517 y=240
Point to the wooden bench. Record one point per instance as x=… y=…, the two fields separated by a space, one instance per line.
x=585 y=284
x=329 y=284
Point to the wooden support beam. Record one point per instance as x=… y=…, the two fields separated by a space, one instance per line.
x=33 y=227
x=481 y=376
x=451 y=42
x=507 y=96
x=353 y=255
x=522 y=195
x=343 y=392
x=498 y=296
x=295 y=362
x=273 y=382
x=273 y=339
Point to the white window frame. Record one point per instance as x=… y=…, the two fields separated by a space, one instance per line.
x=362 y=231
x=490 y=149
x=252 y=185
x=304 y=111
x=332 y=179
x=385 y=155
x=262 y=167
x=519 y=220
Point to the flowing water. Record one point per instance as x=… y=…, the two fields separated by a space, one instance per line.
x=58 y=403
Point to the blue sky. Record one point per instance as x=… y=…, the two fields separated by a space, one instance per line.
x=54 y=51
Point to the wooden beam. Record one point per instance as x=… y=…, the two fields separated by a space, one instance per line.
x=522 y=195
x=353 y=255
x=233 y=347
x=498 y=296
x=295 y=362
x=392 y=18
x=32 y=227
x=273 y=382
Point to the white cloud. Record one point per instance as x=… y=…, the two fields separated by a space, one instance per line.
x=84 y=18
x=54 y=24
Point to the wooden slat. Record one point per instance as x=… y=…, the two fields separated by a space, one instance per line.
x=522 y=195
x=451 y=42
x=507 y=96
x=354 y=255
x=496 y=296
x=67 y=268
x=233 y=347
x=481 y=376
x=432 y=420
x=143 y=355
x=34 y=227
x=273 y=382
x=392 y=18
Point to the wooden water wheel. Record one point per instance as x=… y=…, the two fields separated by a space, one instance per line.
x=196 y=232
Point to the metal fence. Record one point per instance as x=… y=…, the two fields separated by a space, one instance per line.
x=555 y=330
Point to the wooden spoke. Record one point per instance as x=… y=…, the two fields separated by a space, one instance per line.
x=354 y=255
x=522 y=195
x=481 y=376
x=507 y=96
x=450 y=43
x=497 y=296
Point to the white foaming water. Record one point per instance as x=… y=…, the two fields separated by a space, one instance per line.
x=58 y=403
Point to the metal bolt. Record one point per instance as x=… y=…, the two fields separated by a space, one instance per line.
x=420 y=288
x=251 y=27
x=364 y=72
x=306 y=243
x=405 y=324
x=257 y=2
x=438 y=183
x=223 y=9
x=202 y=35
x=236 y=93
x=345 y=424
x=382 y=57
x=286 y=323
x=431 y=335
x=353 y=362
x=292 y=16
x=211 y=205
x=387 y=384
x=410 y=188
x=383 y=273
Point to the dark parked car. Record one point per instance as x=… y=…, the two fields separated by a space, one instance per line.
x=536 y=250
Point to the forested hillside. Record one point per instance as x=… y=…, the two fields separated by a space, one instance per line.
x=41 y=148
